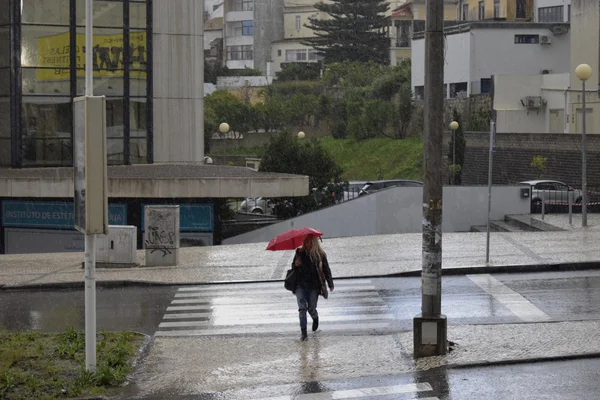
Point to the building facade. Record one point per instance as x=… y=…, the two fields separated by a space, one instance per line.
x=248 y=30
x=508 y=10
x=477 y=51
x=552 y=10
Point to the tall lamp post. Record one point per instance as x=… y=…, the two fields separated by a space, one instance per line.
x=224 y=128
x=583 y=73
x=454 y=127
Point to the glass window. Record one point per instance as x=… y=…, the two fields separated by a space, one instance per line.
x=465 y=12
x=247 y=28
x=47 y=130
x=138 y=117
x=298 y=22
x=313 y=55
x=243 y=5
x=4 y=117
x=551 y=14
x=521 y=9
x=106 y=13
x=496 y=8
x=114 y=150
x=527 y=39
x=46 y=81
x=47 y=12
x=45 y=46
x=481 y=10
x=295 y=55
x=239 y=53
x=4 y=15
x=137 y=15
x=138 y=151
x=4 y=46
x=569 y=14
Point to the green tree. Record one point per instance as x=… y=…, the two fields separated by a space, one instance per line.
x=356 y=31
x=212 y=70
x=403 y=109
x=385 y=87
x=230 y=109
x=354 y=74
x=456 y=167
x=299 y=109
x=539 y=164
x=299 y=72
x=286 y=154
x=376 y=116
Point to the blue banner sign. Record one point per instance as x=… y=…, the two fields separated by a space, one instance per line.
x=34 y=214
x=192 y=217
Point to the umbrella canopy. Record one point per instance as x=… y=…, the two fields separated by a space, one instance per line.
x=291 y=240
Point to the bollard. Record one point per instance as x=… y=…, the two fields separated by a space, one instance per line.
x=543 y=204
x=570 y=196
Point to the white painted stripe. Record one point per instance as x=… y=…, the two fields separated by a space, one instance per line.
x=517 y=304
x=257 y=301
x=278 y=290
x=279 y=294
x=279 y=284
x=284 y=329
x=236 y=321
x=244 y=310
x=360 y=393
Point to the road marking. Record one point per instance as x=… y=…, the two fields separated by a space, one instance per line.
x=262 y=300
x=276 y=290
x=360 y=393
x=229 y=321
x=252 y=286
x=243 y=310
x=517 y=304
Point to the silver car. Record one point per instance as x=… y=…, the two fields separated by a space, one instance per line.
x=256 y=205
x=551 y=192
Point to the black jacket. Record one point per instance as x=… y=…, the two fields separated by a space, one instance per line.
x=307 y=271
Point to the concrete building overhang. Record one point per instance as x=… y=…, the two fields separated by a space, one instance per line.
x=157 y=181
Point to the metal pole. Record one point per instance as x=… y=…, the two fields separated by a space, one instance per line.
x=454 y=157
x=570 y=200
x=543 y=204
x=583 y=161
x=489 y=210
x=430 y=327
x=90 y=240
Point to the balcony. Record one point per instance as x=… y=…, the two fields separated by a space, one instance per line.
x=240 y=64
x=234 y=16
x=239 y=41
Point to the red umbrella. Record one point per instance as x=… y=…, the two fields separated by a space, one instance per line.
x=291 y=240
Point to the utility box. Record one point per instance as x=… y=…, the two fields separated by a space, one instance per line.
x=161 y=235
x=118 y=247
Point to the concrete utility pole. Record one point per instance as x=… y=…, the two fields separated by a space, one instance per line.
x=430 y=327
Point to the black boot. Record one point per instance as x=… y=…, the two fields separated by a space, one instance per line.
x=315 y=324
x=304 y=335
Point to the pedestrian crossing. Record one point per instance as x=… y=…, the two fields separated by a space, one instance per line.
x=392 y=391
x=263 y=308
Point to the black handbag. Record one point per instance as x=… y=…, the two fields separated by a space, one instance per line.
x=290 y=279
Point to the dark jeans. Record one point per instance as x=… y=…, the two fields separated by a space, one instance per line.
x=307 y=296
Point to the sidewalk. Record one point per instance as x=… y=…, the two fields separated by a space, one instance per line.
x=576 y=248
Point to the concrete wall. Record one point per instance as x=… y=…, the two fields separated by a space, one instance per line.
x=268 y=27
x=399 y=210
x=512 y=116
x=178 y=80
x=238 y=82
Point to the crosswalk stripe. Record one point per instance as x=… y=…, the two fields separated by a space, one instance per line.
x=279 y=294
x=277 y=290
x=252 y=286
x=258 y=300
x=228 y=321
x=359 y=393
x=282 y=329
x=241 y=310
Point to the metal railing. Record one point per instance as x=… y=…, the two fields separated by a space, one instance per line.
x=560 y=201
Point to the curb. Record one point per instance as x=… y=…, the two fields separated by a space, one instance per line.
x=501 y=269
x=521 y=361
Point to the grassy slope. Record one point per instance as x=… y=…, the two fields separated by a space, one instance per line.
x=362 y=160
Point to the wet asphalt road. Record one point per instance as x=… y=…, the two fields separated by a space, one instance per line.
x=561 y=295
x=466 y=300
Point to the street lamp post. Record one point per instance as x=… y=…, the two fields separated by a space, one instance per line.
x=454 y=127
x=583 y=73
x=224 y=128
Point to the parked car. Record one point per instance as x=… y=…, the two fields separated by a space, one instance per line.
x=353 y=189
x=551 y=191
x=256 y=205
x=376 y=186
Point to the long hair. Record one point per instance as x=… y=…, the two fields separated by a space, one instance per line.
x=316 y=253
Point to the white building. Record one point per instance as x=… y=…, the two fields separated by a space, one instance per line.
x=476 y=51
x=531 y=103
x=552 y=10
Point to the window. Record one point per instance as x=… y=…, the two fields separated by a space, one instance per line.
x=481 y=10
x=485 y=85
x=236 y=53
x=295 y=55
x=496 y=8
x=551 y=14
x=247 y=28
x=313 y=55
x=278 y=53
x=521 y=9
x=569 y=13
x=298 y=22
x=243 y=5
x=527 y=39
x=465 y=12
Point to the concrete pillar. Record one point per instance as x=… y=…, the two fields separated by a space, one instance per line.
x=161 y=235
x=178 y=44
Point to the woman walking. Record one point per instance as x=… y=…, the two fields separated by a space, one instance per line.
x=313 y=273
